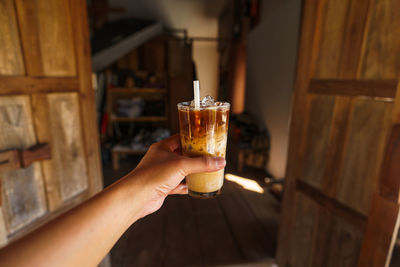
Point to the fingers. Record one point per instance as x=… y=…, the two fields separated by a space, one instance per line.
x=181 y=189
x=202 y=164
x=172 y=143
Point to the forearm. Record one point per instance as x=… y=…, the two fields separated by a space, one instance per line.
x=85 y=234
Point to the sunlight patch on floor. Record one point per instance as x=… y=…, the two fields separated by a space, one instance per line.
x=246 y=183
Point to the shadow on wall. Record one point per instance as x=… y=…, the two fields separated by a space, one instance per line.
x=272 y=52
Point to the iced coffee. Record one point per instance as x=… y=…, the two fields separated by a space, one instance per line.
x=203 y=131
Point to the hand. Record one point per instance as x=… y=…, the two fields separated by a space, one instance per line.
x=164 y=167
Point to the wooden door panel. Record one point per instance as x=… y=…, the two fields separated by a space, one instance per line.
x=11 y=62
x=23 y=197
x=56 y=42
x=22 y=193
x=345 y=163
x=327 y=65
x=350 y=50
x=381 y=51
x=46 y=32
x=3 y=229
x=364 y=146
x=45 y=66
x=16 y=123
x=305 y=214
x=322 y=238
x=317 y=139
x=347 y=81
x=337 y=243
x=29 y=32
x=57 y=120
x=68 y=144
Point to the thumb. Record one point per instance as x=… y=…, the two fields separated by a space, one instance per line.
x=203 y=164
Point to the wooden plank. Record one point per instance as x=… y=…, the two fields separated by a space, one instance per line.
x=389 y=183
x=87 y=101
x=41 y=113
x=333 y=28
x=213 y=227
x=29 y=31
x=337 y=135
x=336 y=243
x=9 y=160
x=381 y=49
x=315 y=156
x=22 y=190
x=67 y=144
x=332 y=205
x=361 y=161
x=369 y=88
x=16 y=123
x=38 y=152
x=383 y=224
x=248 y=231
x=23 y=196
x=357 y=15
x=3 y=229
x=181 y=235
x=308 y=51
x=56 y=38
x=10 y=85
x=304 y=220
x=11 y=62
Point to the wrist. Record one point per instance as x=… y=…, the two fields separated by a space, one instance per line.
x=141 y=194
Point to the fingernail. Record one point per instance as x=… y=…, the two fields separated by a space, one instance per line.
x=220 y=162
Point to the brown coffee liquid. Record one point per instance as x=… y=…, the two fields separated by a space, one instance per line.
x=202 y=130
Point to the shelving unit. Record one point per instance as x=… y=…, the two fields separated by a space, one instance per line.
x=115 y=93
x=141 y=64
x=159 y=71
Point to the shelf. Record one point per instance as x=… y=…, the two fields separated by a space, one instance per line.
x=139 y=90
x=140 y=119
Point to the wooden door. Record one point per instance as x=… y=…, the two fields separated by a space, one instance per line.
x=340 y=207
x=46 y=97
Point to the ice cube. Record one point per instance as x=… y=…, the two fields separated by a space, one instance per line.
x=207 y=101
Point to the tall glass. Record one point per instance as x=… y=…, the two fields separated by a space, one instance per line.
x=204 y=131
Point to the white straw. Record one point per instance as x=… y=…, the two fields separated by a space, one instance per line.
x=196 y=90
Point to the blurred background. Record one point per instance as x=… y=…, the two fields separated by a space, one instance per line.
x=231 y=47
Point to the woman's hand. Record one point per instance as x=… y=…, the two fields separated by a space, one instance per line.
x=164 y=167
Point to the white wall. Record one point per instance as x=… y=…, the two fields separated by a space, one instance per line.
x=272 y=51
x=199 y=17
x=206 y=56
